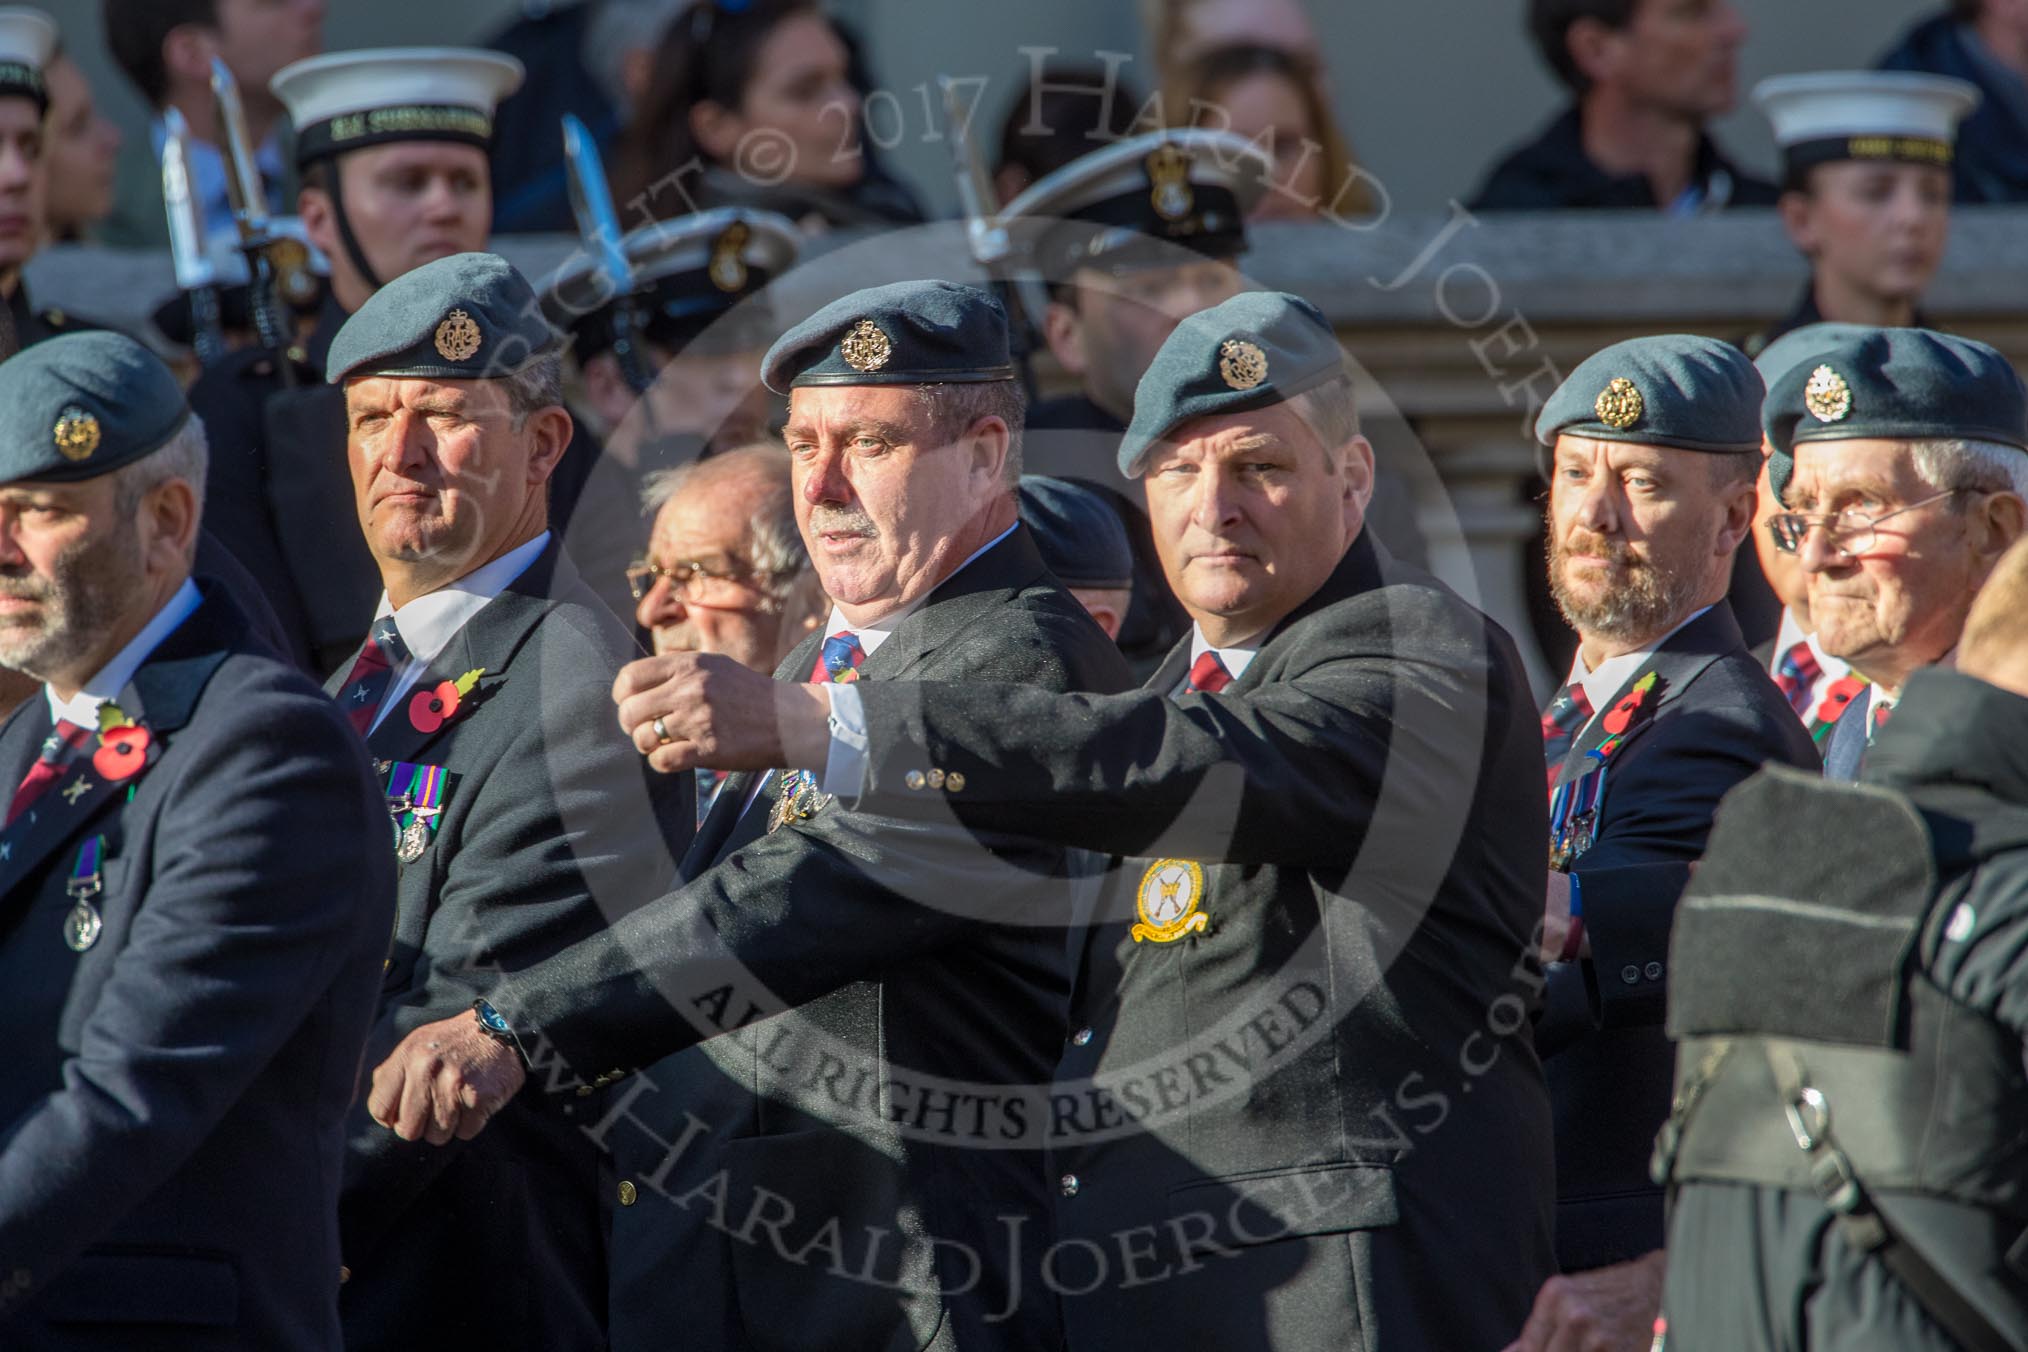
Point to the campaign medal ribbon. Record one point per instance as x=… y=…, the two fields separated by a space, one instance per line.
x=1573 y=813
x=797 y=798
x=82 y=926
x=414 y=801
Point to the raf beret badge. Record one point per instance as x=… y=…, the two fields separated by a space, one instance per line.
x=1827 y=396
x=866 y=348
x=727 y=269
x=1242 y=364
x=1619 y=404
x=1169 y=182
x=458 y=337
x=76 y=433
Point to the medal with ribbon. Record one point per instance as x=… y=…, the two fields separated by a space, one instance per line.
x=797 y=798
x=1573 y=812
x=415 y=799
x=81 y=927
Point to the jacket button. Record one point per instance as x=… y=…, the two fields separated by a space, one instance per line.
x=1654 y=971
x=1080 y=1037
x=1070 y=1185
x=628 y=1192
x=1630 y=974
x=936 y=779
x=344 y=1274
x=914 y=779
x=955 y=782
x=584 y=1091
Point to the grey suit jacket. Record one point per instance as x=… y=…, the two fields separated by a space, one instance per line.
x=895 y=1101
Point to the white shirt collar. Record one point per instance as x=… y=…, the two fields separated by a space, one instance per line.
x=1236 y=658
x=83 y=707
x=1601 y=685
x=871 y=636
x=428 y=623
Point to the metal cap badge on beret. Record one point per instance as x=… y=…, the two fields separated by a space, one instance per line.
x=27 y=42
x=1257 y=349
x=1672 y=389
x=688 y=273
x=471 y=316
x=905 y=333
x=1077 y=532
x=85 y=404
x=1896 y=385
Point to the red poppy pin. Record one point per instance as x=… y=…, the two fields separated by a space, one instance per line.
x=430 y=709
x=123 y=745
x=1842 y=692
x=1622 y=714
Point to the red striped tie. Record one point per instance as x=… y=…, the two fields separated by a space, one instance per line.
x=48 y=767
x=363 y=689
x=1208 y=675
x=1797 y=675
x=1569 y=711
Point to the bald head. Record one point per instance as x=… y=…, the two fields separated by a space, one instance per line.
x=1994 y=647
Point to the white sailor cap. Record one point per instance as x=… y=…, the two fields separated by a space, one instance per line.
x=27 y=41
x=1893 y=115
x=344 y=101
x=688 y=273
x=1124 y=205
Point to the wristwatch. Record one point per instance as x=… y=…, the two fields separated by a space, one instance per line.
x=494 y=1026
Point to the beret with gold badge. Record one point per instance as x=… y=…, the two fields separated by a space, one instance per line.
x=85 y=404
x=470 y=316
x=1670 y=389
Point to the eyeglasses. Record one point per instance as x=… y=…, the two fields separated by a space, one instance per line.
x=1850 y=533
x=690 y=580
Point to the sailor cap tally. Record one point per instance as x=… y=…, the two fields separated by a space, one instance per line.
x=344 y=101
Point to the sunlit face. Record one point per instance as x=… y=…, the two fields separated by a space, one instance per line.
x=1269 y=111
x=82 y=150
x=887 y=508
x=1903 y=602
x=1879 y=228
x=22 y=182
x=724 y=608
x=1681 y=56
x=70 y=563
x=1118 y=322
x=442 y=471
x=409 y=202
x=257 y=38
x=1251 y=513
x=1639 y=536
x=800 y=107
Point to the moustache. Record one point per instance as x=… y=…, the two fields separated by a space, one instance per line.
x=841 y=521
x=1617 y=553
x=28 y=588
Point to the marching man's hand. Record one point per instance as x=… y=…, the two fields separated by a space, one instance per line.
x=688 y=710
x=445 y=1080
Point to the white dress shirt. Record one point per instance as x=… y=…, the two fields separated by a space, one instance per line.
x=83 y=707
x=1236 y=658
x=429 y=623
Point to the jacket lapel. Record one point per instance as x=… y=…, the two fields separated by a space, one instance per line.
x=162 y=695
x=985 y=583
x=1680 y=659
x=720 y=829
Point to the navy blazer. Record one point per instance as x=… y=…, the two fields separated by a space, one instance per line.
x=1714 y=717
x=176 y=1092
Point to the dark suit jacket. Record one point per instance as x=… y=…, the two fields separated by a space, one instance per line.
x=175 y=1094
x=926 y=972
x=550 y=826
x=1717 y=717
x=1317 y=1122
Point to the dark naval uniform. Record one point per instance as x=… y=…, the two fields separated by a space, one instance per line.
x=521 y=823
x=924 y=972
x=193 y=913
x=1712 y=718
x=1847 y=1150
x=1297 y=1104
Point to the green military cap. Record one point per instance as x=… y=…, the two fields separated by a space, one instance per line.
x=1673 y=389
x=905 y=333
x=1257 y=349
x=1774 y=360
x=1896 y=385
x=1077 y=532
x=471 y=316
x=85 y=404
